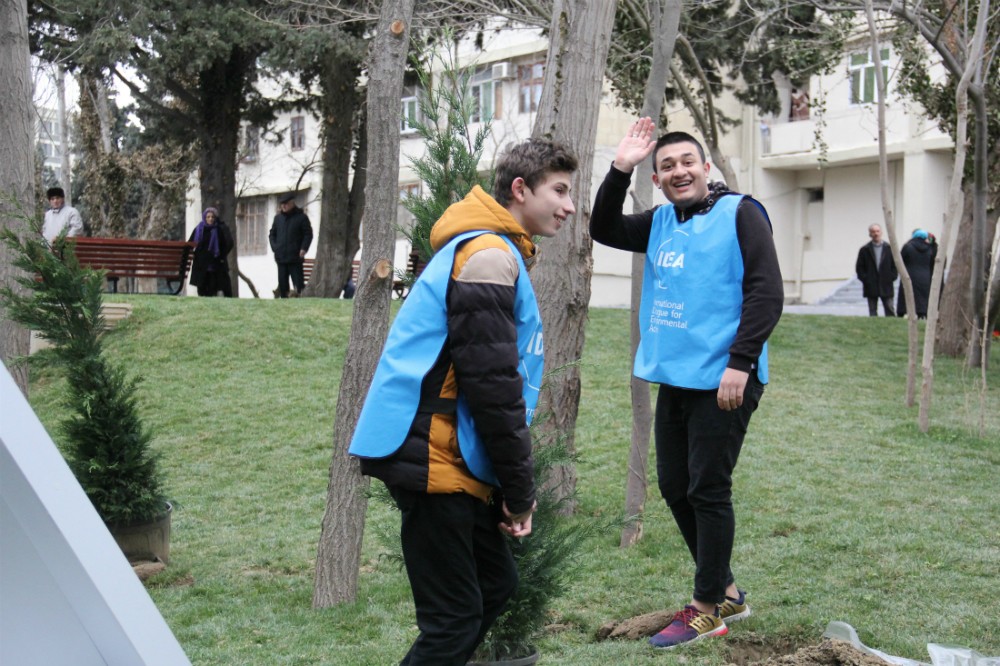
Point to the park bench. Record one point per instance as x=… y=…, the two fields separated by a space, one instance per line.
x=135 y=258
x=414 y=267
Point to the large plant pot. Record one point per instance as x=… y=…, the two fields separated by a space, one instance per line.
x=520 y=661
x=145 y=541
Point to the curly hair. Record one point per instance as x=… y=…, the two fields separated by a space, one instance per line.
x=531 y=160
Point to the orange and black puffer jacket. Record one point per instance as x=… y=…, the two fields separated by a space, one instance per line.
x=478 y=359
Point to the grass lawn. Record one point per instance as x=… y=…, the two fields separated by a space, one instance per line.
x=845 y=510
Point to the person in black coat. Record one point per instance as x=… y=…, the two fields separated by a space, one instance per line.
x=919 y=254
x=209 y=268
x=877 y=272
x=290 y=237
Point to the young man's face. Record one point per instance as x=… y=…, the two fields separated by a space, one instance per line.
x=57 y=202
x=544 y=209
x=681 y=174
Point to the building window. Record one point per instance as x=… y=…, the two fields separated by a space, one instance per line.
x=250 y=149
x=298 y=132
x=410 y=115
x=251 y=226
x=862 y=71
x=530 y=79
x=404 y=218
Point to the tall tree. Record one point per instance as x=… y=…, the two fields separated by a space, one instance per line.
x=579 y=39
x=661 y=19
x=339 y=554
x=190 y=64
x=17 y=164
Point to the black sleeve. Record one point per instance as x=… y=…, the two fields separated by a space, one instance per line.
x=609 y=226
x=307 y=233
x=483 y=339
x=763 y=289
x=272 y=235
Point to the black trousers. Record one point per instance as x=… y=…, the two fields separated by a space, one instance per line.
x=886 y=306
x=461 y=573
x=697 y=446
x=290 y=270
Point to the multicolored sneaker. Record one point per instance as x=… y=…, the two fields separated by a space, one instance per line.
x=687 y=626
x=734 y=610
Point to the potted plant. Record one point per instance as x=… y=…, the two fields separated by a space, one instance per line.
x=105 y=442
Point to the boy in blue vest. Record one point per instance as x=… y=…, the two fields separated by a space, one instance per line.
x=445 y=422
x=712 y=293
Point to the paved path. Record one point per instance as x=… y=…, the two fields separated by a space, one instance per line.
x=840 y=309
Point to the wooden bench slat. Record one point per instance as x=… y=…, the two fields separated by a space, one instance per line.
x=134 y=258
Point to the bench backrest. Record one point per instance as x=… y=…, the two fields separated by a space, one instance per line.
x=134 y=258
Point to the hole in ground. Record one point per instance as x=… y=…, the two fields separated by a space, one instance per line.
x=755 y=651
x=749 y=649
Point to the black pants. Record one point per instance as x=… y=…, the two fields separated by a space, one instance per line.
x=697 y=446
x=215 y=281
x=460 y=569
x=886 y=306
x=290 y=270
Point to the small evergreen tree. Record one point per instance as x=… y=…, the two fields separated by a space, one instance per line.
x=108 y=448
x=450 y=167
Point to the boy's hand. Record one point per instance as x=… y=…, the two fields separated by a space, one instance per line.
x=517 y=525
x=636 y=146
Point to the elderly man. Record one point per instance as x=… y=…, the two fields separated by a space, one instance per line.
x=60 y=217
x=290 y=237
x=877 y=272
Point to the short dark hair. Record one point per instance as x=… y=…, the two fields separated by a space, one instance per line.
x=671 y=138
x=531 y=160
x=55 y=192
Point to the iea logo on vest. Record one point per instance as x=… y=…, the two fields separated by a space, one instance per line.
x=669 y=257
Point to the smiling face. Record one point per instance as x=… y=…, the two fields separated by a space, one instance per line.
x=681 y=174
x=544 y=209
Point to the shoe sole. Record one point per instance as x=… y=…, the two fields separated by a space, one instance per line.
x=738 y=616
x=720 y=631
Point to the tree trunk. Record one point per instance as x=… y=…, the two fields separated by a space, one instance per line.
x=105 y=181
x=954 y=203
x=883 y=168
x=17 y=166
x=338 y=238
x=980 y=265
x=579 y=36
x=221 y=91
x=955 y=323
x=664 y=18
x=339 y=555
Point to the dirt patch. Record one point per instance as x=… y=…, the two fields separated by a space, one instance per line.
x=828 y=653
x=748 y=649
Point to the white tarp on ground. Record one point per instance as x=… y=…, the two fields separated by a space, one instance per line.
x=941 y=655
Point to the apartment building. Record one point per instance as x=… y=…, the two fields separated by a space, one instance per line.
x=814 y=165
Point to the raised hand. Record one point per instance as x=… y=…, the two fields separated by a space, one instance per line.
x=636 y=146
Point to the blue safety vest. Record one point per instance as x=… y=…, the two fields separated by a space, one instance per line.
x=692 y=298
x=414 y=344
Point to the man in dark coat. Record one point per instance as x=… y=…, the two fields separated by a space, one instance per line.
x=877 y=272
x=290 y=237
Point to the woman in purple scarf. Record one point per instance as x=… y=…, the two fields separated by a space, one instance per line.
x=210 y=270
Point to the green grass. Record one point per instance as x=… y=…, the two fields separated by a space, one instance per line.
x=845 y=510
